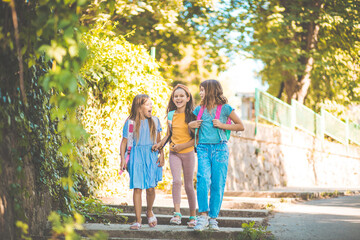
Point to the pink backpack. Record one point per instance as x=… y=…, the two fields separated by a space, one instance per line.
x=217 y=116
x=129 y=143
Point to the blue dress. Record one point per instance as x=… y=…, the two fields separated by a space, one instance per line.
x=143 y=170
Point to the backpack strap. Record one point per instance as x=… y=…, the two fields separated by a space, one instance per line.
x=228 y=121
x=130 y=135
x=202 y=109
x=198 y=117
x=130 y=141
x=170 y=118
x=218 y=111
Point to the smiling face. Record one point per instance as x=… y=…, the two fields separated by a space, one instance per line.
x=202 y=92
x=146 y=108
x=180 y=98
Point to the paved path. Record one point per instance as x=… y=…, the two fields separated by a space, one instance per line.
x=330 y=219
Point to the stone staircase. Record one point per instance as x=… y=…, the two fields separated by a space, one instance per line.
x=237 y=208
x=230 y=221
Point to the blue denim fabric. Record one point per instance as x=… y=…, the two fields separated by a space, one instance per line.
x=212 y=170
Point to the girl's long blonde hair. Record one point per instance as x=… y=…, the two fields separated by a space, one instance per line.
x=135 y=115
x=214 y=94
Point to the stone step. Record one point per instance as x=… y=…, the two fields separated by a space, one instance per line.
x=294 y=193
x=186 y=211
x=231 y=222
x=122 y=231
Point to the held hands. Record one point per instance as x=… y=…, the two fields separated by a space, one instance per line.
x=156 y=147
x=160 y=162
x=195 y=124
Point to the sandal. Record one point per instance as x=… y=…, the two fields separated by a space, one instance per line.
x=192 y=222
x=135 y=226
x=152 y=221
x=176 y=219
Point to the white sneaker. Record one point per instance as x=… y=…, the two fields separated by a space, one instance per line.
x=213 y=224
x=202 y=222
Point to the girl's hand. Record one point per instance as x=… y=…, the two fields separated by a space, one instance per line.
x=217 y=123
x=176 y=148
x=156 y=147
x=123 y=165
x=195 y=124
x=160 y=161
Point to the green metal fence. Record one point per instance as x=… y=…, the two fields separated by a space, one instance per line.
x=334 y=127
x=272 y=109
x=306 y=119
x=299 y=116
x=354 y=132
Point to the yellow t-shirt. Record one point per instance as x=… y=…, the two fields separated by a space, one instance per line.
x=180 y=131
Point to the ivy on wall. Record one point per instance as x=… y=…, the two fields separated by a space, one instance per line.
x=41 y=55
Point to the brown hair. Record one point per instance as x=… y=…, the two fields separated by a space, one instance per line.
x=135 y=115
x=213 y=94
x=189 y=108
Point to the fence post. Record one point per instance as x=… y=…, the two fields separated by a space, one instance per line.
x=322 y=126
x=293 y=114
x=257 y=105
x=152 y=51
x=293 y=119
x=347 y=134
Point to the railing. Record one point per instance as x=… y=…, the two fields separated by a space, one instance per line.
x=299 y=116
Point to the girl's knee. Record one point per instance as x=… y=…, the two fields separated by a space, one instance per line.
x=189 y=188
x=137 y=191
x=150 y=191
x=177 y=182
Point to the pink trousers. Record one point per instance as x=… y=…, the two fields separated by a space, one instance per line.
x=186 y=162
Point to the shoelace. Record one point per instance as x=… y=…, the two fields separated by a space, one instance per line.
x=213 y=222
x=201 y=220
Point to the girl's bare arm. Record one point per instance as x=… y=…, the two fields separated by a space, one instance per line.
x=160 y=160
x=195 y=124
x=160 y=143
x=181 y=146
x=122 y=152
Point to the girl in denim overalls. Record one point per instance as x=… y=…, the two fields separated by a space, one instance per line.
x=212 y=152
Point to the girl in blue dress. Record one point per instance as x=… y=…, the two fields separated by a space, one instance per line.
x=144 y=165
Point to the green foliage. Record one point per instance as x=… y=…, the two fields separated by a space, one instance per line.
x=305 y=44
x=269 y=206
x=115 y=72
x=193 y=39
x=66 y=226
x=254 y=233
x=93 y=210
x=329 y=194
x=24 y=230
x=42 y=132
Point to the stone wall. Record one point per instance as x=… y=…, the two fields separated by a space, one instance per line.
x=279 y=157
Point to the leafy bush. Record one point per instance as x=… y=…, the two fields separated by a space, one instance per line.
x=93 y=210
x=66 y=226
x=115 y=72
x=252 y=233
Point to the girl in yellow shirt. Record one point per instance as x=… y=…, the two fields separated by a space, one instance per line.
x=180 y=113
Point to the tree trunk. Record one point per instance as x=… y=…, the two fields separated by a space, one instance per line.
x=298 y=86
x=305 y=81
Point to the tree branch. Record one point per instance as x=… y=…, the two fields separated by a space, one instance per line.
x=18 y=48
